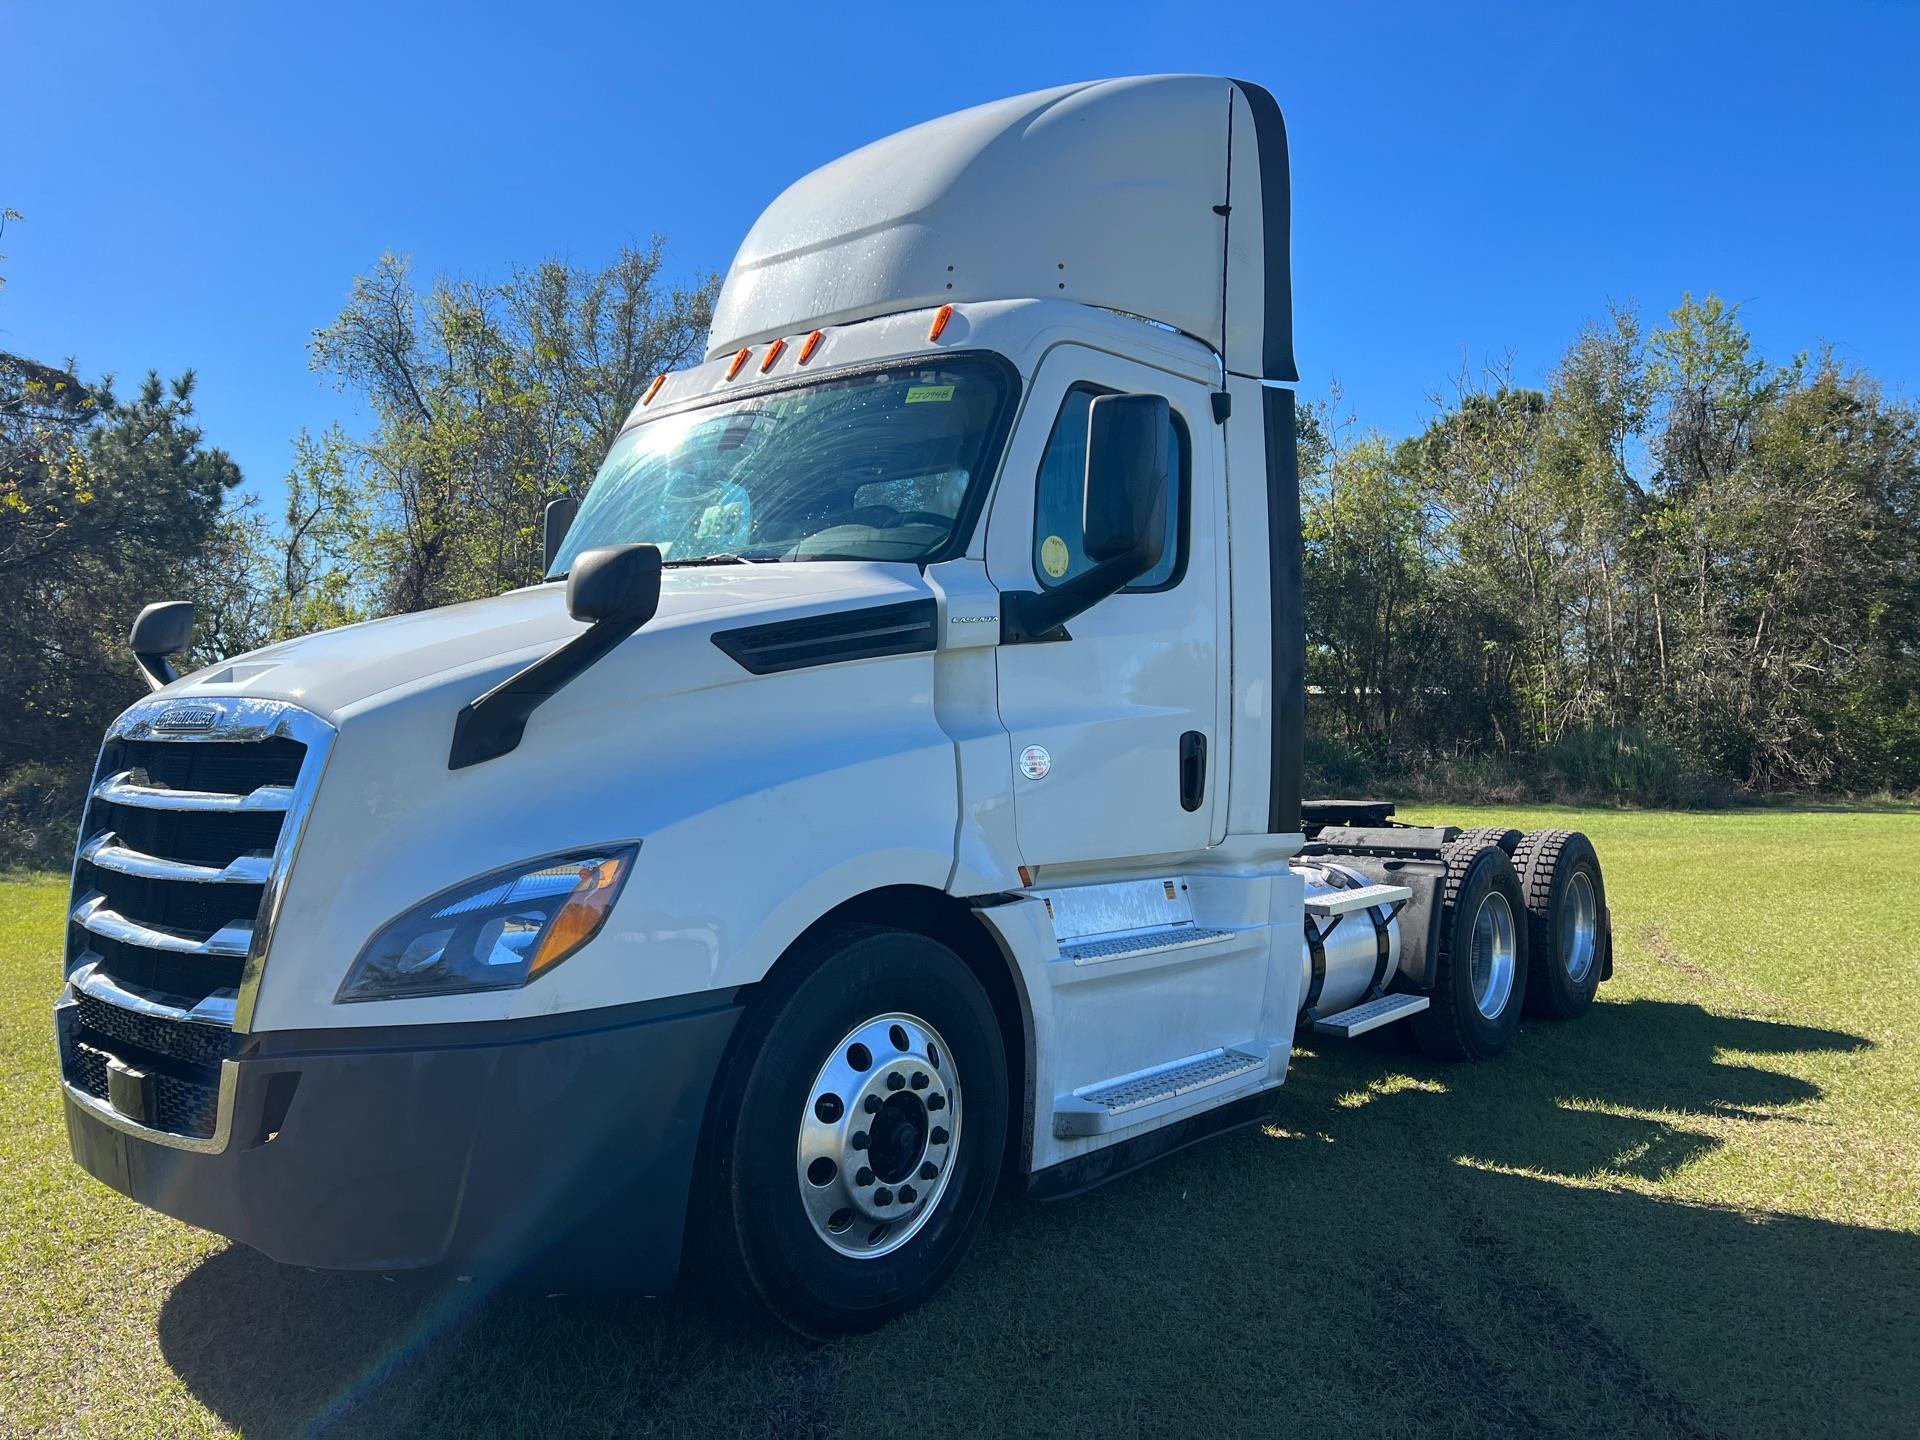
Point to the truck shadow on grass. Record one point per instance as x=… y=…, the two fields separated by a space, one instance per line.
x=1403 y=1248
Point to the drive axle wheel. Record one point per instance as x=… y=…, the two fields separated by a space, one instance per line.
x=856 y=1131
x=1482 y=977
x=1566 y=909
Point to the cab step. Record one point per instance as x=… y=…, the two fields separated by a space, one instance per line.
x=1129 y=1099
x=1370 y=1016
x=1329 y=903
x=1094 y=949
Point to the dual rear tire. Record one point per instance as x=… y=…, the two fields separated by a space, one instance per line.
x=1569 y=938
x=1480 y=984
x=1524 y=928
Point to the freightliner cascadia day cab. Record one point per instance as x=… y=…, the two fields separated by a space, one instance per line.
x=892 y=793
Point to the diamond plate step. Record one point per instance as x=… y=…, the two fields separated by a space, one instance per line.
x=1112 y=947
x=1131 y=1098
x=1370 y=1016
x=1328 y=903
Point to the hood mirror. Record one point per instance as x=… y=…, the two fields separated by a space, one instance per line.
x=161 y=630
x=615 y=589
x=615 y=583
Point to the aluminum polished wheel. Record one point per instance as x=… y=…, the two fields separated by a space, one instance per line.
x=878 y=1135
x=1579 y=927
x=1494 y=952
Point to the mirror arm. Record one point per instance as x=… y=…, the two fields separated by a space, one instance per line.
x=491 y=726
x=157 y=669
x=1028 y=616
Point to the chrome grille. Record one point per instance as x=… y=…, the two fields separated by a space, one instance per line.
x=184 y=849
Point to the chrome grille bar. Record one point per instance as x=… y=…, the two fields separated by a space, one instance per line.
x=125 y=789
x=107 y=851
x=232 y=940
x=89 y=979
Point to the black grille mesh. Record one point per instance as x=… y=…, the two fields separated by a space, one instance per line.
x=228 y=767
x=185 y=1042
x=182 y=1106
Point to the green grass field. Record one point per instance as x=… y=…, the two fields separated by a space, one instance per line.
x=1696 y=1211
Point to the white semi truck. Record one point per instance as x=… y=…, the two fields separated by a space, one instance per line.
x=892 y=792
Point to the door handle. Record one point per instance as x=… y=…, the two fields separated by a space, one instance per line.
x=1193 y=769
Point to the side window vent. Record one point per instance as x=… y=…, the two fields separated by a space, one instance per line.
x=828 y=639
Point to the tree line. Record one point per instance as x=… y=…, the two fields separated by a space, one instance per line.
x=1677 y=568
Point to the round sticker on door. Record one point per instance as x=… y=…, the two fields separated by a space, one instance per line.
x=1035 y=762
x=1053 y=556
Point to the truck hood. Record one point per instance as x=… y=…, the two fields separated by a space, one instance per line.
x=337 y=669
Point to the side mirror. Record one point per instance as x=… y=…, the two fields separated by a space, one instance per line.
x=616 y=590
x=1125 y=515
x=554 y=526
x=615 y=583
x=158 y=631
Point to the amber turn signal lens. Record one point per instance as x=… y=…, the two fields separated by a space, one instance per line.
x=738 y=361
x=809 y=345
x=653 y=389
x=580 y=916
x=773 y=354
x=940 y=319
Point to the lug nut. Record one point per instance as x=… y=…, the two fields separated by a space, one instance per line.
x=883 y=1196
x=936 y=1101
x=871 y=1104
x=919 y=1079
x=895 y=1080
x=928 y=1171
x=906 y=1195
x=859 y=1139
x=938 y=1137
x=863 y=1176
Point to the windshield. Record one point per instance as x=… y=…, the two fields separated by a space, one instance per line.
x=875 y=466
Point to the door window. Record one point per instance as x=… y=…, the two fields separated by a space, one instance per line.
x=1059 y=553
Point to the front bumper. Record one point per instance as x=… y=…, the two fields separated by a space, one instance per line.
x=562 y=1146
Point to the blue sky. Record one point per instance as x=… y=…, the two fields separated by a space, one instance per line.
x=201 y=183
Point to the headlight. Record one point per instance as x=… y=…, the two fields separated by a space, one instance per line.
x=494 y=933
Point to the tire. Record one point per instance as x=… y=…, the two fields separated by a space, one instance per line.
x=1507 y=840
x=903 y=1234
x=1566 y=903
x=1475 y=1010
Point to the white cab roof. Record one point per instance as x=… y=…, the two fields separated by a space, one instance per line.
x=1161 y=196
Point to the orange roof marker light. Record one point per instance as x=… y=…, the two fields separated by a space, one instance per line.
x=738 y=361
x=811 y=344
x=773 y=354
x=940 y=319
x=653 y=389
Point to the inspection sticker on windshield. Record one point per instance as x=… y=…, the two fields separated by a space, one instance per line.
x=923 y=394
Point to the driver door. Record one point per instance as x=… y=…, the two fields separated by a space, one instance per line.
x=1108 y=727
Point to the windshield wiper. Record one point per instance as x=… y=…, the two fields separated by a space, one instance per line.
x=724 y=559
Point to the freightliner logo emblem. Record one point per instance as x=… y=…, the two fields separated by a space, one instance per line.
x=187 y=717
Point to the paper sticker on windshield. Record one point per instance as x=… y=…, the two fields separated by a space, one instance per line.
x=1053 y=556
x=924 y=394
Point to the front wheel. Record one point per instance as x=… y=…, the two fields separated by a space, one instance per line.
x=857 y=1132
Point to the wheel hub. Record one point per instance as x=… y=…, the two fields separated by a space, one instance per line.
x=1579 y=927
x=1494 y=954
x=878 y=1134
